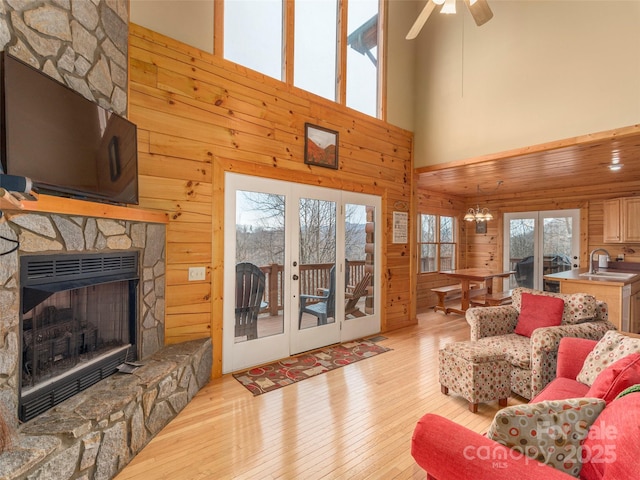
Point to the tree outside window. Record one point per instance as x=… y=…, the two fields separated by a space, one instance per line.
x=437 y=243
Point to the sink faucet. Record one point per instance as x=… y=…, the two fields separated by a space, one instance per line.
x=591 y=268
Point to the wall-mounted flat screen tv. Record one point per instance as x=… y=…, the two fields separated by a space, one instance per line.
x=66 y=144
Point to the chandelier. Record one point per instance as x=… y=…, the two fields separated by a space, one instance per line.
x=478 y=215
x=481 y=214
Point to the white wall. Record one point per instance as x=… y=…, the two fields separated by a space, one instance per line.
x=189 y=21
x=537 y=72
x=401 y=61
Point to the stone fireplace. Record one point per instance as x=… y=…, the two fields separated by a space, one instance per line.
x=78 y=318
x=100 y=268
x=86 y=292
x=68 y=275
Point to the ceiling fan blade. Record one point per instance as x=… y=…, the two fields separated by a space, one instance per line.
x=480 y=11
x=420 y=21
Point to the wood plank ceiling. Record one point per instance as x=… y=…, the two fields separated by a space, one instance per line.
x=570 y=167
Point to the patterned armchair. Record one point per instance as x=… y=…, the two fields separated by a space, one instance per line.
x=534 y=359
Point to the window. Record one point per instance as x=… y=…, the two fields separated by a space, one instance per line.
x=362 y=56
x=315 y=46
x=437 y=245
x=253 y=35
x=319 y=54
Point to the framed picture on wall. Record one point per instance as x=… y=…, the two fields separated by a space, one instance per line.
x=481 y=227
x=320 y=146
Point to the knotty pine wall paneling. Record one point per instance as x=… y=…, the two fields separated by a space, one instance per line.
x=200 y=116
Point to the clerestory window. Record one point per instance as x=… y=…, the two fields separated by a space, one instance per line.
x=314 y=54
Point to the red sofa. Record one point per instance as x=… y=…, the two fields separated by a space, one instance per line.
x=446 y=450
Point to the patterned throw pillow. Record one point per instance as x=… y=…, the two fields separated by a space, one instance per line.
x=613 y=346
x=550 y=432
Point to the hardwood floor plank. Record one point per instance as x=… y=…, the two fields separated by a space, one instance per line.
x=355 y=422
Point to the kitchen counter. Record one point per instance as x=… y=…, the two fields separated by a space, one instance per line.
x=574 y=276
x=621 y=294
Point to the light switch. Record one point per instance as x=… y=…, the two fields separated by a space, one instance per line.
x=197 y=273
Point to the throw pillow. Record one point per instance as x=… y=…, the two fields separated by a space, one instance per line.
x=610 y=450
x=550 y=432
x=538 y=311
x=611 y=347
x=618 y=376
x=578 y=307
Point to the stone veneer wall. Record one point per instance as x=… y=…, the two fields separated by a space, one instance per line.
x=81 y=43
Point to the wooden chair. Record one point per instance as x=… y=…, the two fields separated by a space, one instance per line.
x=250 y=283
x=324 y=305
x=353 y=295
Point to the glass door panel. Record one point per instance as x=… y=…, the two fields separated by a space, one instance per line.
x=260 y=236
x=541 y=243
x=317 y=254
x=361 y=317
x=255 y=240
x=558 y=246
x=521 y=238
x=319 y=275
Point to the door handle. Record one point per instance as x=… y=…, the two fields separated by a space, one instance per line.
x=295 y=277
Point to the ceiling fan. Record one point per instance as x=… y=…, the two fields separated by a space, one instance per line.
x=479 y=9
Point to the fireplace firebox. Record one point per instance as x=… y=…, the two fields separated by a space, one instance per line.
x=78 y=318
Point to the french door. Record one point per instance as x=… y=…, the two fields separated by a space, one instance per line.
x=316 y=254
x=540 y=243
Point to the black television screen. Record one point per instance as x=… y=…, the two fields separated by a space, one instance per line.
x=66 y=144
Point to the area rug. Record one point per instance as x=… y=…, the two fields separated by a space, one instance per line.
x=266 y=378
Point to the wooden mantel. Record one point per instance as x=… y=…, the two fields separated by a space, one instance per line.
x=68 y=206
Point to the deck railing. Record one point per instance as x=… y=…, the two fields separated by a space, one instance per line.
x=313 y=276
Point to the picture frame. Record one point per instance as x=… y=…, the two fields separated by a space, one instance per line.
x=320 y=146
x=481 y=227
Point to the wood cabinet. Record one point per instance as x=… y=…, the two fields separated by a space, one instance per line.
x=621 y=220
x=612 y=231
x=634 y=308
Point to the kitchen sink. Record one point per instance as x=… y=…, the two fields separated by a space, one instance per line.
x=609 y=275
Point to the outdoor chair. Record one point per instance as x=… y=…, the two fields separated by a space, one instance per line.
x=250 y=283
x=353 y=295
x=322 y=306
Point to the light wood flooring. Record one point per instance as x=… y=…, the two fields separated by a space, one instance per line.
x=355 y=422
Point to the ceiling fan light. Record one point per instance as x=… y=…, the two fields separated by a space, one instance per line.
x=449 y=7
x=438 y=2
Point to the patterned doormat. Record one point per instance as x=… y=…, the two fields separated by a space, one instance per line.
x=266 y=378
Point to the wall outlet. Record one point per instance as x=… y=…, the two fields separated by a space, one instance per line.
x=197 y=273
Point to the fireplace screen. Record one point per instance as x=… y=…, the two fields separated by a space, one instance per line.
x=78 y=323
x=72 y=328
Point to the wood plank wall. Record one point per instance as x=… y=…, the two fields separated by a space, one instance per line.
x=199 y=116
x=485 y=250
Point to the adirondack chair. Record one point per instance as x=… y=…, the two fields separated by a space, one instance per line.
x=250 y=283
x=325 y=304
x=353 y=294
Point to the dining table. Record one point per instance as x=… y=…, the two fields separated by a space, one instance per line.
x=468 y=275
